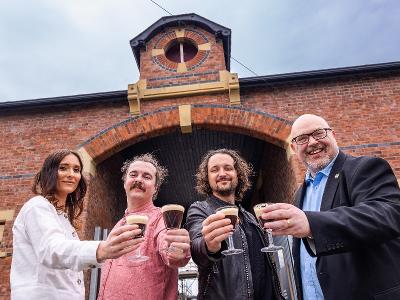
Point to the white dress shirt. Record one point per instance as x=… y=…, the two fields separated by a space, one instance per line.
x=48 y=257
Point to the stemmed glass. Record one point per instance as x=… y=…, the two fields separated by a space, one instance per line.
x=230 y=212
x=258 y=210
x=173 y=216
x=141 y=221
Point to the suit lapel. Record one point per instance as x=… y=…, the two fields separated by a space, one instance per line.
x=299 y=197
x=298 y=201
x=332 y=183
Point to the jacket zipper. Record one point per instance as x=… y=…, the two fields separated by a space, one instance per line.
x=246 y=268
x=208 y=282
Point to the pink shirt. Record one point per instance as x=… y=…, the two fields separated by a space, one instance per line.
x=156 y=278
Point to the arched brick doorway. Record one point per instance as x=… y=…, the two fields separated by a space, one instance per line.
x=260 y=137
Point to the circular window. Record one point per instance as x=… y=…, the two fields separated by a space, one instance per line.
x=180 y=51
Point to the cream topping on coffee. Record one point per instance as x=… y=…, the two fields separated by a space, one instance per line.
x=229 y=211
x=258 y=209
x=172 y=207
x=136 y=219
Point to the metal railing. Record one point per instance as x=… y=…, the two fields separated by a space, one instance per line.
x=95 y=273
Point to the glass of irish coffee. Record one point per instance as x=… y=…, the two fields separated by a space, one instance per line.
x=173 y=216
x=231 y=212
x=258 y=210
x=141 y=221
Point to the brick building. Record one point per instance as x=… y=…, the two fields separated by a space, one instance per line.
x=185 y=102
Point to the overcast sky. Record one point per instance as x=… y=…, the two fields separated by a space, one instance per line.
x=51 y=48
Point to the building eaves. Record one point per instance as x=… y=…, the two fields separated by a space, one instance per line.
x=115 y=96
x=245 y=83
x=259 y=81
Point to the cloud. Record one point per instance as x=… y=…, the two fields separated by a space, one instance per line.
x=63 y=47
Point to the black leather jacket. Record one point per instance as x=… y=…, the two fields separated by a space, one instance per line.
x=223 y=277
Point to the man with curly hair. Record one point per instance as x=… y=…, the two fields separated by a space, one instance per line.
x=156 y=278
x=223 y=175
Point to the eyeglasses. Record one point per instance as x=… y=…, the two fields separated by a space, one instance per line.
x=317 y=134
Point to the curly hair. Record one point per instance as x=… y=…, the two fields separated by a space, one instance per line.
x=244 y=171
x=161 y=171
x=45 y=184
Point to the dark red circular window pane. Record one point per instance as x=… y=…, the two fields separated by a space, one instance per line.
x=189 y=51
x=173 y=51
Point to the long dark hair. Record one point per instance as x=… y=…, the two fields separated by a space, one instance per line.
x=45 y=184
x=244 y=171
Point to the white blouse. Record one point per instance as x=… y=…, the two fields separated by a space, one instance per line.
x=48 y=257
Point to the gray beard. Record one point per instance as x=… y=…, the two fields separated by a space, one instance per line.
x=316 y=167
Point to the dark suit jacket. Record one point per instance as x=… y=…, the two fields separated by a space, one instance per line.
x=357 y=232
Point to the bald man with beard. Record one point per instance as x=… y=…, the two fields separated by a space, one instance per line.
x=346 y=219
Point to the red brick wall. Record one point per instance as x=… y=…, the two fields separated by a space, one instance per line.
x=364 y=111
x=151 y=105
x=106 y=202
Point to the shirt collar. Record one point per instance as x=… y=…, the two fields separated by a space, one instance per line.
x=148 y=206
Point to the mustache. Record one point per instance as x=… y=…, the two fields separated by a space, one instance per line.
x=224 y=178
x=138 y=185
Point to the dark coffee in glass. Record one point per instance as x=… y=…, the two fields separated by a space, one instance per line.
x=230 y=213
x=258 y=210
x=139 y=220
x=172 y=215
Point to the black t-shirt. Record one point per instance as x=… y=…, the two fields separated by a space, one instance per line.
x=260 y=271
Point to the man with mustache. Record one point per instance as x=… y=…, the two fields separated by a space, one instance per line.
x=347 y=220
x=224 y=177
x=156 y=278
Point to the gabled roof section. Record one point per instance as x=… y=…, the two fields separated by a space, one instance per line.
x=220 y=32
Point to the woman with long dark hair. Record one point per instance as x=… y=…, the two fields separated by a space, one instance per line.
x=48 y=257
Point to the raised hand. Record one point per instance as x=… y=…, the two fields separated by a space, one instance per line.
x=216 y=228
x=119 y=242
x=286 y=219
x=179 y=243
